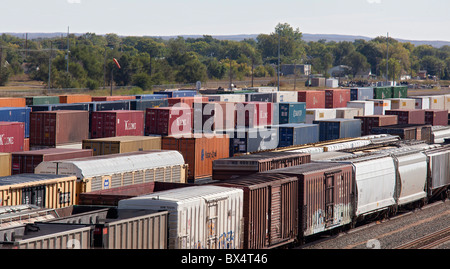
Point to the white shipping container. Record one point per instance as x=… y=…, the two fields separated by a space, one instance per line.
x=331 y=83
x=367 y=106
x=225 y=97
x=447 y=102
x=422 y=102
x=200 y=217
x=403 y=103
x=437 y=102
x=285 y=96
x=313 y=114
x=348 y=112
x=380 y=106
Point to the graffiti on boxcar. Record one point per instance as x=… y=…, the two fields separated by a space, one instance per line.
x=226 y=240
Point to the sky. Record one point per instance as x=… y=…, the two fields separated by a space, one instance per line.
x=402 y=19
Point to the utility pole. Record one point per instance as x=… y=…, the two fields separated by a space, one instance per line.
x=387 y=59
x=279 y=38
x=68 y=49
x=50 y=65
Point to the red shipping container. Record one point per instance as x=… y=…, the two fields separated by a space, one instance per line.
x=368 y=122
x=11 y=136
x=112 y=98
x=187 y=100
x=436 y=117
x=168 y=120
x=26 y=161
x=313 y=99
x=335 y=98
x=117 y=123
x=51 y=128
x=408 y=116
x=254 y=114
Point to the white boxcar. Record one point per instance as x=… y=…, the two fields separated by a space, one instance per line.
x=439 y=171
x=200 y=217
x=375 y=177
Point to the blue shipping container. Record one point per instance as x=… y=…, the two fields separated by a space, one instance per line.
x=20 y=114
x=332 y=129
x=183 y=93
x=293 y=112
x=245 y=140
x=364 y=93
x=297 y=134
x=143 y=104
x=53 y=107
x=151 y=96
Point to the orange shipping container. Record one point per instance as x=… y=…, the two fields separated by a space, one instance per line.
x=75 y=98
x=12 y=102
x=199 y=152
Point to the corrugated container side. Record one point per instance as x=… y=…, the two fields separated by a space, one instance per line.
x=117 y=123
x=122 y=144
x=298 y=134
x=5 y=164
x=403 y=103
x=338 y=128
x=438 y=178
x=294 y=112
x=335 y=98
x=20 y=114
x=313 y=99
x=436 y=117
x=408 y=116
x=368 y=122
x=364 y=93
x=75 y=98
x=319 y=114
x=12 y=136
x=143 y=104
x=422 y=102
x=285 y=96
x=437 y=102
x=400 y=91
x=41 y=100
x=252 y=139
x=269 y=209
x=259 y=97
x=367 y=106
x=380 y=106
x=187 y=100
x=112 y=98
x=12 y=102
x=382 y=92
x=168 y=120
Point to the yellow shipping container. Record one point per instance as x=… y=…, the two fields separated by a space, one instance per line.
x=121 y=144
x=43 y=190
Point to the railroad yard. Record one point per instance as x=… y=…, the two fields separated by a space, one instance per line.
x=252 y=168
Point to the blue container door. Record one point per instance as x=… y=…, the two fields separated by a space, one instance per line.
x=286 y=136
x=297 y=113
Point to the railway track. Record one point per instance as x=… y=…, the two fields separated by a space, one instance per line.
x=429 y=241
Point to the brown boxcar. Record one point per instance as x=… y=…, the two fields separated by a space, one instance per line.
x=26 y=161
x=111 y=197
x=243 y=165
x=368 y=122
x=408 y=116
x=270 y=209
x=436 y=117
x=199 y=152
x=122 y=144
x=326 y=191
x=51 y=128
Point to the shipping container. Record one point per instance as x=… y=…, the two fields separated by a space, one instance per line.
x=122 y=144
x=225 y=97
x=207 y=117
x=403 y=103
x=12 y=102
x=220 y=227
x=438 y=179
x=348 y=112
x=332 y=129
x=346 y=145
x=437 y=102
x=254 y=114
x=436 y=117
x=366 y=105
x=26 y=161
x=406 y=132
x=312 y=98
x=143 y=104
x=51 y=128
x=244 y=165
x=297 y=134
x=422 y=102
x=399 y=91
x=318 y=82
x=313 y=114
x=122 y=229
x=377 y=173
x=408 y=116
x=42 y=190
x=178 y=93
x=325 y=194
x=447 y=102
x=259 y=97
x=199 y=152
x=151 y=96
x=12 y=136
x=123 y=169
x=382 y=92
x=269 y=209
x=380 y=106
x=364 y=93
x=49 y=236
x=26 y=144
x=110 y=105
x=368 y=122
x=112 y=98
x=186 y=101
x=75 y=98
x=294 y=112
x=5 y=164
x=20 y=114
x=54 y=107
x=111 y=197
x=285 y=96
x=117 y=123
x=41 y=100
x=335 y=98
x=245 y=140
x=168 y=121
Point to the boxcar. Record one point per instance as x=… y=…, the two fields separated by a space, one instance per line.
x=438 y=179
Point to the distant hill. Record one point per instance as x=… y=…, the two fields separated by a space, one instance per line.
x=240 y=37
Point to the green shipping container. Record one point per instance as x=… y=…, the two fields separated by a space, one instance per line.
x=41 y=100
x=382 y=92
x=399 y=92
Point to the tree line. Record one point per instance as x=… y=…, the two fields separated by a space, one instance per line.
x=86 y=61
